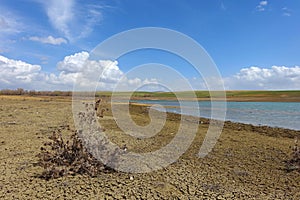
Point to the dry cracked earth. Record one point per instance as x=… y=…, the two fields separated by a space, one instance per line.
x=246 y=163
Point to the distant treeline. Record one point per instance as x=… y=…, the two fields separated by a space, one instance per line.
x=21 y=91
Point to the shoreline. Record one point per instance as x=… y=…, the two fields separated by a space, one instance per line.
x=231 y=121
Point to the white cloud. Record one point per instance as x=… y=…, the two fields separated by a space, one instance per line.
x=137 y=84
x=12 y=25
x=263 y=3
x=73 y=63
x=106 y=74
x=286 y=12
x=60 y=14
x=276 y=77
x=12 y=71
x=261 y=6
x=74 y=21
x=49 y=40
x=9 y=25
x=88 y=73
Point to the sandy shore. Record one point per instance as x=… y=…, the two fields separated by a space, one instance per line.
x=246 y=163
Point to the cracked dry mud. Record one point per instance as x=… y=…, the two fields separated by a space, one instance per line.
x=246 y=163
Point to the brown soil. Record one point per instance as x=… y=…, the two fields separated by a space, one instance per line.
x=246 y=163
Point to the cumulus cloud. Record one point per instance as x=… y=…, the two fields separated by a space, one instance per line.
x=49 y=40
x=261 y=6
x=88 y=74
x=276 y=77
x=73 y=63
x=70 y=19
x=16 y=70
x=19 y=74
x=137 y=84
x=106 y=74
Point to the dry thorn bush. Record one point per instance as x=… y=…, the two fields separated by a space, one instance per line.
x=60 y=158
x=99 y=111
x=294 y=163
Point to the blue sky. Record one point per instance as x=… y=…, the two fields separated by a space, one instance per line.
x=255 y=44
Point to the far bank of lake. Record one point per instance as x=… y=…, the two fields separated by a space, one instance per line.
x=274 y=114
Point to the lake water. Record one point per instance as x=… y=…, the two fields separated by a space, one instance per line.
x=275 y=114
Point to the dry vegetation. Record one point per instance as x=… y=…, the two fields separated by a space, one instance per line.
x=60 y=158
x=294 y=162
x=21 y=91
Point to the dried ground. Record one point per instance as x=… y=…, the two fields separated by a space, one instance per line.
x=246 y=163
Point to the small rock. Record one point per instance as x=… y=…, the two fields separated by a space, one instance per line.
x=228 y=195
